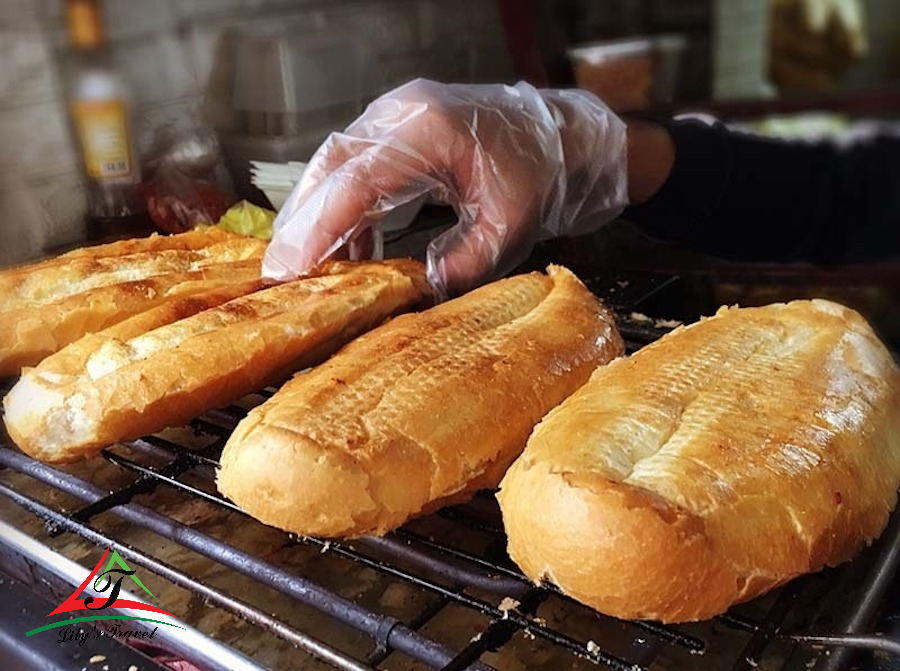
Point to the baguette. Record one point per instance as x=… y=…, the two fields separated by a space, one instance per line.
x=49 y=304
x=196 y=238
x=161 y=368
x=713 y=465
x=425 y=408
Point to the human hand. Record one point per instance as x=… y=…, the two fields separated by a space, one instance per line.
x=518 y=165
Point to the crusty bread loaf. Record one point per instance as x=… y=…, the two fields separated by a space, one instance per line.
x=158 y=369
x=426 y=407
x=197 y=238
x=49 y=304
x=721 y=461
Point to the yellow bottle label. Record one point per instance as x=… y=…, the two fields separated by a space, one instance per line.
x=102 y=128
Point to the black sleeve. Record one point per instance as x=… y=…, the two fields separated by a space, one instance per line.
x=750 y=198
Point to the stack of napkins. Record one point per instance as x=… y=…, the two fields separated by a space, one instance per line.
x=276 y=180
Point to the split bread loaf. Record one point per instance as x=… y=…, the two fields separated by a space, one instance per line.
x=426 y=407
x=46 y=305
x=169 y=364
x=719 y=462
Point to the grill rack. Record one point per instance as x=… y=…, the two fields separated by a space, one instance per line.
x=448 y=574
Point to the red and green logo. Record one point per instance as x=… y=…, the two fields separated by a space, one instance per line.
x=102 y=583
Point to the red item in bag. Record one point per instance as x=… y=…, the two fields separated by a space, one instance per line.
x=196 y=202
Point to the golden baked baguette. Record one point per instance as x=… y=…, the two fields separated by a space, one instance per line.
x=713 y=465
x=100 y=265
x=158 y=369
x=426 y=407
x=49 y=304
x=197 y=238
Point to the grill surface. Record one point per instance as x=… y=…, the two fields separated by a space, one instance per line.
x=439 y=593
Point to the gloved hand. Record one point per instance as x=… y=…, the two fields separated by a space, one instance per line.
x=518 y=165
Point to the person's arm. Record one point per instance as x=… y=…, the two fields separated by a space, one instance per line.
x=520 y=165
x=751 y=198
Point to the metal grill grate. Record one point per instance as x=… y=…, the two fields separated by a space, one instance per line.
x=516 y=624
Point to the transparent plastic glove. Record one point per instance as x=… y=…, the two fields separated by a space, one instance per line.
x=518 y=165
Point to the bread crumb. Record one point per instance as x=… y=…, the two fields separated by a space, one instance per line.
x=507 y=605
x=96 y=659
x=527 y=633
x=752 y=662
x=639 y=317
x=475 y=638
x=667 y=323
x=133 y=668
x=593 y=648
x=622 y=283
x=325 y=547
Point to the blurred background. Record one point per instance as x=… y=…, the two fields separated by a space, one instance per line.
x=132 y=115
x=229 y=81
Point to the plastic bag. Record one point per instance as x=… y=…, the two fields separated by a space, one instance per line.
x=186 y=184
x=246 y=218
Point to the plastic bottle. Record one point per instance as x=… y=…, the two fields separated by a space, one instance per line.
x=100 y=108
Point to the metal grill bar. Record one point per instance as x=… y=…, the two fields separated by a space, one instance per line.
x=394 y=634
x=160 y=448
x=247 y=565
x=382 y=652
x=427 y=561
x=770 y=626
x=858 y=619
x=454 y=515
x=872 y=642
x=142 y=485
x=488 y=583
x=240 y=608
x=497 y=634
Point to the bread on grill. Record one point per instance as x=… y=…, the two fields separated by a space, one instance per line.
x=169 y=364
x=713 y=465
x=46 y=305
x=428 y=406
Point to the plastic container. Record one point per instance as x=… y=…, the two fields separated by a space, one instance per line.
x=275 y=93
x=631 y=74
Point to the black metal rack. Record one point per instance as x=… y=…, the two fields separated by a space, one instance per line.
x=440 y=566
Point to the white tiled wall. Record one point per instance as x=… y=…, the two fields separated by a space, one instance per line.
x=166 y=48
x=740 y=49
x=740 y=40
x=35 y=151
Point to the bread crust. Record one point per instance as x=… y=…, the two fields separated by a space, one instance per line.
x=49 y=304
x=165 y=366
x=723 y=460
x=427 y=407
